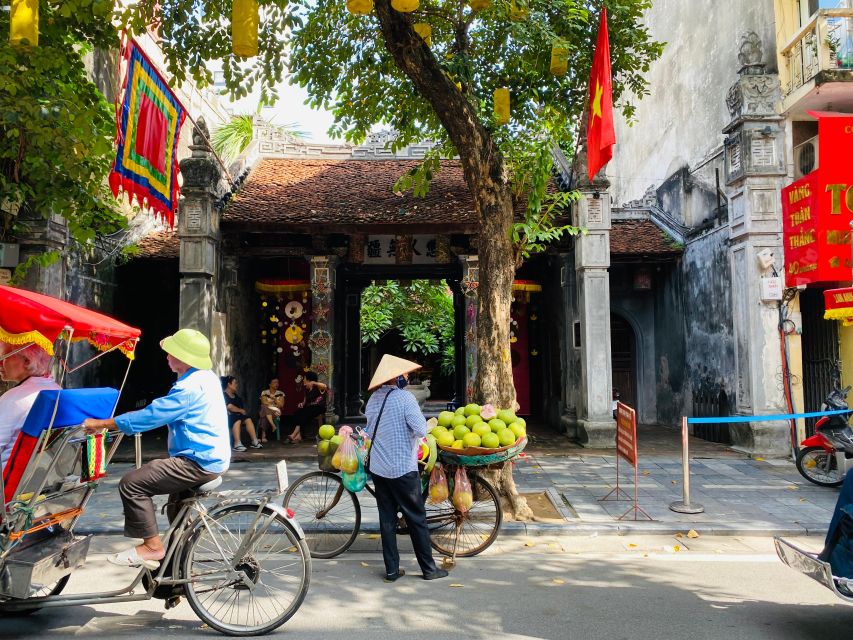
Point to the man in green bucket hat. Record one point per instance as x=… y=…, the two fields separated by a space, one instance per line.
x=199 y=444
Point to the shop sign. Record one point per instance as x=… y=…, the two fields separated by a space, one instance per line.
x=839 y=305
x=817 y=209
x=382 y=249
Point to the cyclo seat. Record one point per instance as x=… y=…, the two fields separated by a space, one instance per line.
x=207 y=487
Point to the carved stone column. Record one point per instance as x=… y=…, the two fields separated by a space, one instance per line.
x=755 y=172
x=198 y=230
x=41 y=235
x=321 y=340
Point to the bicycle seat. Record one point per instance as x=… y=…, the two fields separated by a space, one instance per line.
x=208 y=486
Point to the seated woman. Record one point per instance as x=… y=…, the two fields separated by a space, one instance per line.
x=29 y=369
x=314 y=405
x=272 y=403
x=237 y=415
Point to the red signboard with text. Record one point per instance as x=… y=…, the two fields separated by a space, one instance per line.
x=626 y=433
x=817 y=209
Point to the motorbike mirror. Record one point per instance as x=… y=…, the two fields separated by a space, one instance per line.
x=846 y=389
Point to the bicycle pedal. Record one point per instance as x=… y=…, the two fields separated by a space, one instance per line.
x=171 y=603
x=447 y=563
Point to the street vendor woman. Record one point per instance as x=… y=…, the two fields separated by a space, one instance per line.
x=199 y=446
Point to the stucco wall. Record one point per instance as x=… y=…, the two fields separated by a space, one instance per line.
x=681 y=121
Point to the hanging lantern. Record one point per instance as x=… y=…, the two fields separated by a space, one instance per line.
x=479 y=5
x=24 y=22
x=359 y=7
x=424 y=31
x=501 y=106
x=405 y=6
x=559 y=60
x=516 y=13
x=244 y=28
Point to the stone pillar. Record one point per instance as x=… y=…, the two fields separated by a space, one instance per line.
x=198 y=230
x=755 y=172
x=469 y=284
x=321 y=340
x=40 y=236
x=592 y=261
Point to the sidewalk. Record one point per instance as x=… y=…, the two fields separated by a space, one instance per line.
x=741 y=496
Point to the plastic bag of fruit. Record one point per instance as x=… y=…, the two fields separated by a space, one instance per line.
x=438 y=491
x=344 y=458
x=355 y=481
x=463 y=497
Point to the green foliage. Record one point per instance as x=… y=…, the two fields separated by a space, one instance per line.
x=56 y=127
x=422 y=313
x=232 y=138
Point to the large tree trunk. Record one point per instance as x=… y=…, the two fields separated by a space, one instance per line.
x=486 y=177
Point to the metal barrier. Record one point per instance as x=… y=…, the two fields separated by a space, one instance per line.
x=685 y=505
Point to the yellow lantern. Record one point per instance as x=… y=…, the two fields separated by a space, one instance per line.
x=479 y=5
x=405 y=6
x=501 y=100
x=424 y=31
x=244 y=28
x=516 y=13
x=24 y=22
x=359 y=7
x=559 y=60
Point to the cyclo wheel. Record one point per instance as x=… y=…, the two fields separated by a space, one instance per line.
x=274 y=571
x=466 y=533
x=330 y=515
x=48 y=590
x=811 y=463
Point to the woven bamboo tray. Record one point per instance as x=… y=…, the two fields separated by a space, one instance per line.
x=480 y=457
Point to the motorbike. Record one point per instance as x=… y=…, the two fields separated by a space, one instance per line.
x=826 y=456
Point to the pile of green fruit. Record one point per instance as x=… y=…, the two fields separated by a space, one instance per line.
x=467 y=428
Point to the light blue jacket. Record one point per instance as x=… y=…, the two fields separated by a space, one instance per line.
x=194 y=411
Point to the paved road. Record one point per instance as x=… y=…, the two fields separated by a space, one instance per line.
x=606 y=587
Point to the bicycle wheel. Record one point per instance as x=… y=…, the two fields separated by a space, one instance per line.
x=329 y=515
x=466 y=533
x=48 y=590
x=269 y=582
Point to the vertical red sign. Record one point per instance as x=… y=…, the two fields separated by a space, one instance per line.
x=800 y=231
x=626 y=433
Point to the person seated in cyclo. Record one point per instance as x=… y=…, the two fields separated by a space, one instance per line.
x=837 y=537
x=272 y=403
x=314 y=405
x=237 y=415
x=194 y=411
x=29 y=369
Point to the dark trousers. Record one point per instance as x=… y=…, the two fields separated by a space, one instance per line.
x=171 y=476
x=403 y=494
x=305 y=417
x=845 y=499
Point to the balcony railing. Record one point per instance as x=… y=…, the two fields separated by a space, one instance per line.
x=824 y=43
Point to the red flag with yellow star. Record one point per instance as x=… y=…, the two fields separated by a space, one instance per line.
x=600 y=134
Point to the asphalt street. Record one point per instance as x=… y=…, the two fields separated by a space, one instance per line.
x=607 y=587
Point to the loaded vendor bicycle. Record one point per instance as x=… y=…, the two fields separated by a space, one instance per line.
x=239 y=558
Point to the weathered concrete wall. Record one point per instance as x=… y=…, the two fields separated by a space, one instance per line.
x=671 y=343
x=681 y=121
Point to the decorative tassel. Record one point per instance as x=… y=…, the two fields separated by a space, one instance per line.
x=94 y=457
x=359 y=7
x=501 y=100
x=244 y=28
x=424 y=31
x=405 y=6
x=24 y=23
x=559 y=60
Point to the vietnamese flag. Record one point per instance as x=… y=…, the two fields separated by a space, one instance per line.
x=600 y=134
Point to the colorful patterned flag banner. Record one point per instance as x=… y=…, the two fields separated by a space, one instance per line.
x=149 y=125
x=94 y=457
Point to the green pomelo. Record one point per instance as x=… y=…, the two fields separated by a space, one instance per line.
x=446 y=439
x=472 y=409
x=496 y=424
x=437 y=431
x=444 y=418
x=323 y=447
x=457 y=420
x=518 y=429
x=491 y=441
x=471 y=440
x=460 y=431
x=506 y=437
x=521 y=420
x=336 y=439
x=460 y=411
x=457 y=444
x=507 y=416
x=481 y=429
x=326 y=431
x=470 y=421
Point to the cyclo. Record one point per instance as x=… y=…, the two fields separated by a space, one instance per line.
x=239 y=558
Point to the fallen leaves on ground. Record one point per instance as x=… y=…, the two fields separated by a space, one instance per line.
x=529 y=544
x=558 y=581
x=364 y=564
x=456 y=584
x=692 y=534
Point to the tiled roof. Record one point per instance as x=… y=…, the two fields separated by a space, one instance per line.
x=641 y=238
x=324 y=194
x=160 y=245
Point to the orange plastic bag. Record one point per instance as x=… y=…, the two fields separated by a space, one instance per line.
x=463 y=496
x=438 y=491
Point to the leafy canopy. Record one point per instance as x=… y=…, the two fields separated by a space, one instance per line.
x=421 y=312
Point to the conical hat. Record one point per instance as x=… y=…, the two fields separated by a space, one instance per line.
x=389 y=368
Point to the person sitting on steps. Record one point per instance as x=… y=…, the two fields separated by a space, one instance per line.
x=272 y=403
x=237 y=415
x=314 y=405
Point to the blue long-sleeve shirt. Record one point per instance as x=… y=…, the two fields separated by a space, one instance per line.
x=194 y=411
x=394 y=448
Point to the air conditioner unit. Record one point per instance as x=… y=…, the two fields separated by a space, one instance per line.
x=805 y=157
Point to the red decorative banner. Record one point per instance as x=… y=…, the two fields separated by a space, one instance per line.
x=839 y=305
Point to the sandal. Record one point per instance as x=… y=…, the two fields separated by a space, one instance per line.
x=130 y=558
